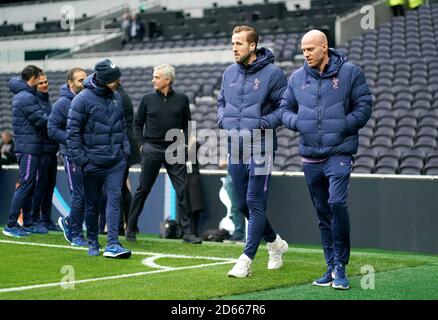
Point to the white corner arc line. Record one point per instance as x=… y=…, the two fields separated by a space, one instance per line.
x=150 y=262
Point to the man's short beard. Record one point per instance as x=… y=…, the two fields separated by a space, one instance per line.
x=244 y=59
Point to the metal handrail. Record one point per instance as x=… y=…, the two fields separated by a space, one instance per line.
x=58 y=34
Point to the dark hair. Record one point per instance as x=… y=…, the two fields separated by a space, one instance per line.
x=252 y=35
x=71 y=73
x=30 y=71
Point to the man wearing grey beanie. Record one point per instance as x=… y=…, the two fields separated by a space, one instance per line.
x=99 y=146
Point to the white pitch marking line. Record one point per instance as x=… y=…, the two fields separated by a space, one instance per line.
x=291 y=249
x=150 y=262
x=55 y=284
x=144 y=253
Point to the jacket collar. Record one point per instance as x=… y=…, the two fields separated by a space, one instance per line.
x=44 y=96
x=170 y=93
x=90 y=83
x=336 y=60
x=264 y=57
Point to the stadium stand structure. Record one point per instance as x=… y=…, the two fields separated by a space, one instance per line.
x=399 y=59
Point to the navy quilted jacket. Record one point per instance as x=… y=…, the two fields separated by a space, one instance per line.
x=95 y=127
x=327 y=109
x=49 y=146
x=250 y=94
x=57 y=124
x=28 y=118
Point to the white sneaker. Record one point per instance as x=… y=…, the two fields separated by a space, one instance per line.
x=276 y=250
x=242 y=268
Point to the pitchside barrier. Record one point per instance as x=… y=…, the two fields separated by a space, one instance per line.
x=395 y=212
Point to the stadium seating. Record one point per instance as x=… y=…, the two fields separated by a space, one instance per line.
x=400 y=61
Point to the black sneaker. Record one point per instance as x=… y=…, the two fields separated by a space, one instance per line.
x=191 y=238
x=50 y=225
x=130 y=236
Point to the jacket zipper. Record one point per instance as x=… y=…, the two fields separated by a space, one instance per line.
x=242 y=90
x=111 y=127
x=319 y=115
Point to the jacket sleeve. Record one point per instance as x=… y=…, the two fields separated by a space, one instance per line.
x=75 y=128
x=56 y=124
x=288 y=111
x=125 y=117
x=221 y=104
x=140 y=120
x=278 y=85
x=33 y=112
x=126 y=145
x=360 y=102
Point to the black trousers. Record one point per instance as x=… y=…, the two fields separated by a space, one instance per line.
x=153 y=157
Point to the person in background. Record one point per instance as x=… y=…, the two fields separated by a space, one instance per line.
x=8 y=148
x=237 y=216
x=98 y=144
x=57 y=129
x=415 y=4
x=162 y=110
x=29 y=122
x=47 y=168
x=397 y=7
x=194 y=183
x=124 y=28
x=133 y=159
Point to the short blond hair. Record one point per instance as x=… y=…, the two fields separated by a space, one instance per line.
x=168 y=71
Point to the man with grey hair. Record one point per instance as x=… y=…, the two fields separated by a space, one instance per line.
x=161 y=110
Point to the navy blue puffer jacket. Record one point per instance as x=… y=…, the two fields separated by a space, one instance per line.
x=49 y=146
x=95 y=127
x=327 y=109
x=250 y=94
x=28 y=118
x=57 y=124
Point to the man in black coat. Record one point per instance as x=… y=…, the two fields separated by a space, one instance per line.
x=160 y=111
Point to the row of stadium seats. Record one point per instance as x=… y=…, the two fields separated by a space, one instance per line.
x=403 y=126
x=284 y=45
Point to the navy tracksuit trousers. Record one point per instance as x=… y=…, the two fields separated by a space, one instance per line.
x=111 y=180
x=44 y=187
x=251 y=190
x=328 y=186
x=28 y=167
x=76 y=186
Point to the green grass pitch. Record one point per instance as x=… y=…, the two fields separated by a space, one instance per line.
x=47 y=267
